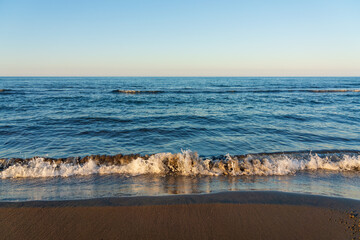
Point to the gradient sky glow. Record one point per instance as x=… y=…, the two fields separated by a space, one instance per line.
x=180 y=38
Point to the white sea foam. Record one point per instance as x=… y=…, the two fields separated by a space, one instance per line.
x=189 y=164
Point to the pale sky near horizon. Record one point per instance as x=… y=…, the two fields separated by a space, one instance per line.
x=179 y=38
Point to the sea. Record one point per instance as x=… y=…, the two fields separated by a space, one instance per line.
x=65 y=138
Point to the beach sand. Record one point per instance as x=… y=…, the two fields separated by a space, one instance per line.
x=229 y=215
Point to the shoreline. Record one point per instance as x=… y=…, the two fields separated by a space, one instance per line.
x=225 y=215
x=225 y=197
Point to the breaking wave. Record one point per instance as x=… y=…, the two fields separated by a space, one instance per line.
x=185 y=163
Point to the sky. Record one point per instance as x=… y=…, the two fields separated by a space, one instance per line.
x=180 y=38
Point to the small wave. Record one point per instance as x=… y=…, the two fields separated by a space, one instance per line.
x=136 y=91
x=224 y=91
x=185 y=163
x=334 y=90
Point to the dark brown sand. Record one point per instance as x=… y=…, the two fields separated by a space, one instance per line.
x=211 y=216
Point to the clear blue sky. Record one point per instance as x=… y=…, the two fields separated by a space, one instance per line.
x=180 y=38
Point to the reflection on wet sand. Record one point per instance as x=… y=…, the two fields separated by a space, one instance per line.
x=346 y=184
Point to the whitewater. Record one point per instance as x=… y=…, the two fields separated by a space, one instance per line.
x=186 y=163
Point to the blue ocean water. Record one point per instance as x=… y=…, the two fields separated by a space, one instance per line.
x=61 y=117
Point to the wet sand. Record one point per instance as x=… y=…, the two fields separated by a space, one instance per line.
x=230 y=215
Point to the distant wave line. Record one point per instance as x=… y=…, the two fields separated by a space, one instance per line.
x=137 y=91
x=195 y=91
x=188 y=91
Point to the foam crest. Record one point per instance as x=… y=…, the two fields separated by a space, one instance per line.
x=186 y=163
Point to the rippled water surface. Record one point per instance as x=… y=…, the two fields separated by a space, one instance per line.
x=60 y=117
